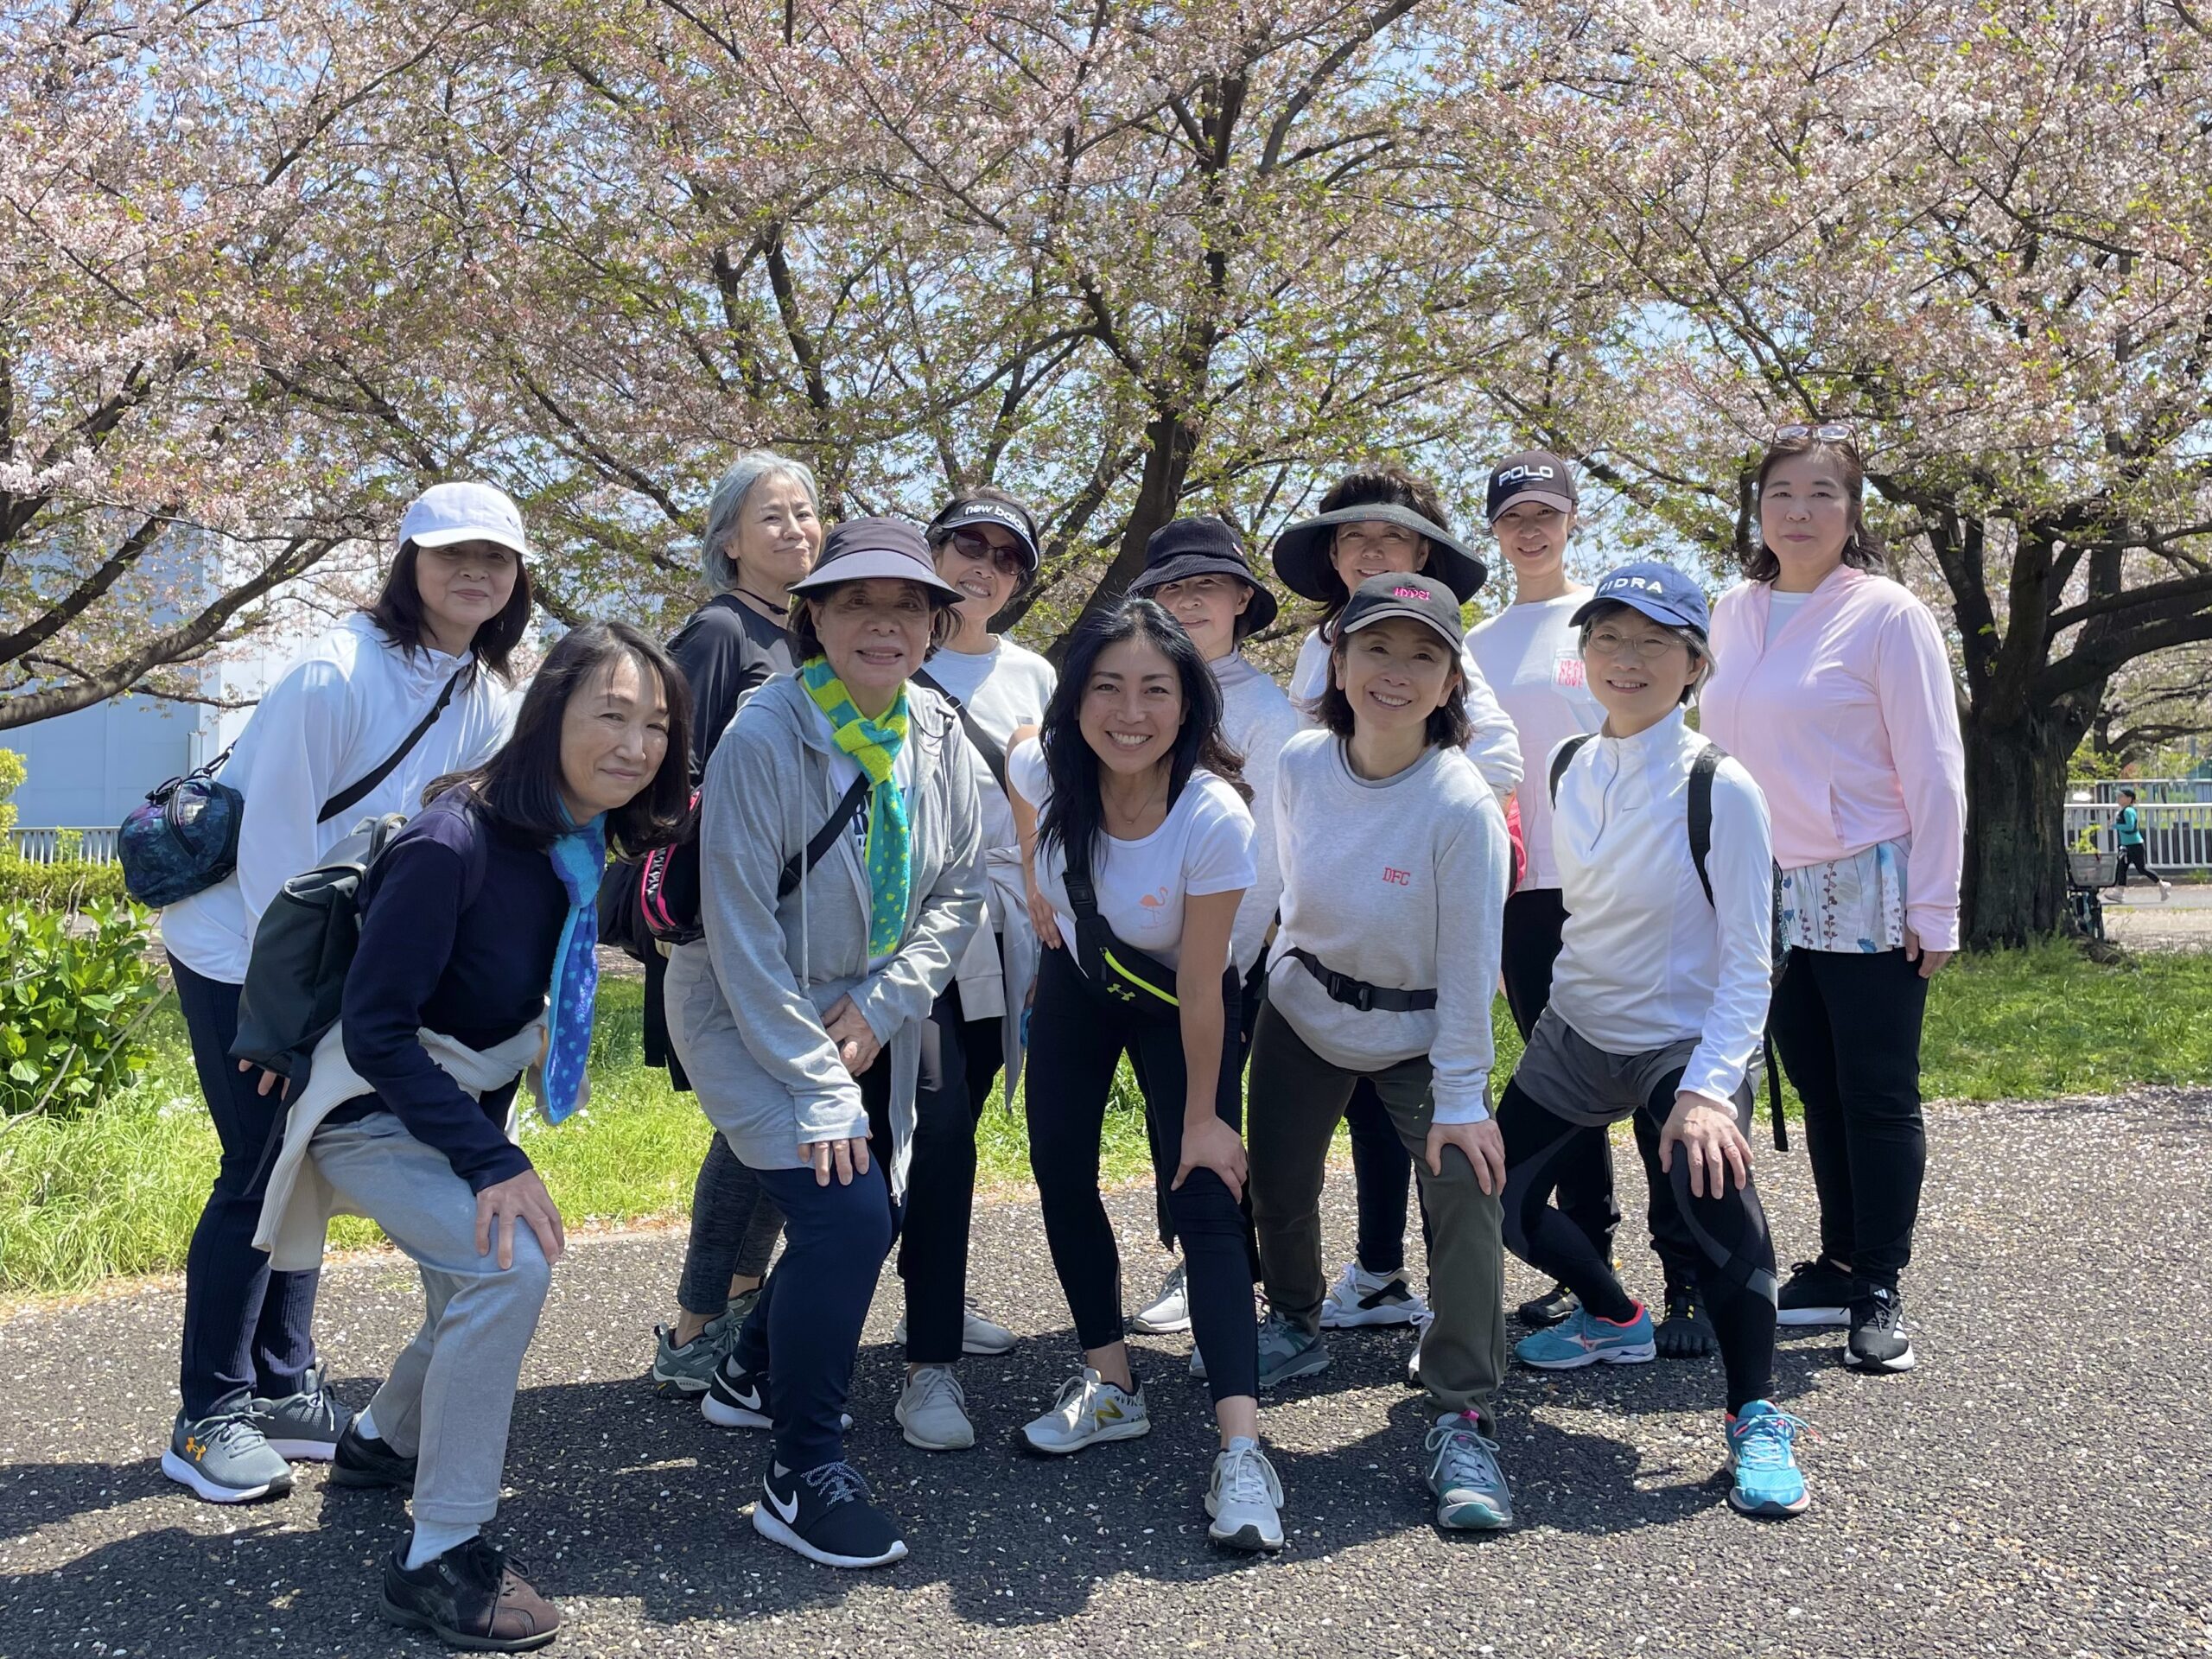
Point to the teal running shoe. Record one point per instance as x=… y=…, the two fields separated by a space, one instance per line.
x=1582 y=1338
x=1762 y=1442
x=1464 y=1477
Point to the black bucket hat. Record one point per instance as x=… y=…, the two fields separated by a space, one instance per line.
x=1301 y=552
x=1204 y=547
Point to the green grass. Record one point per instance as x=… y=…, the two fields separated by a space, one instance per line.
x=117 y=1191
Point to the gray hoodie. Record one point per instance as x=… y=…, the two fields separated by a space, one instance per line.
x=745 y=1003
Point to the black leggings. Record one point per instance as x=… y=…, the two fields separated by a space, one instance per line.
x=2137 y=857
x=1076 y=1038
x=960 y=1057
x=1735 y=1268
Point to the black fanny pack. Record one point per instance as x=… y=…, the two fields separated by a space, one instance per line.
x=1357 y=993
x=1114 y=968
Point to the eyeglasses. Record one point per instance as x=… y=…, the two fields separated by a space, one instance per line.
x=1827 y=432
x=1649 y=649
x=973 y=544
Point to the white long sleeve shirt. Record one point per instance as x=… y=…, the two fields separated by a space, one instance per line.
x=333 y=717
x=1645 y=962
x=1493 y=745
x=1533 y=663
x=1258 y=720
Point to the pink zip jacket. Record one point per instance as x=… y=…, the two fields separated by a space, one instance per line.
x=1849 y=723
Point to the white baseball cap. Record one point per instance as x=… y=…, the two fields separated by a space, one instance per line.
x=446 y=513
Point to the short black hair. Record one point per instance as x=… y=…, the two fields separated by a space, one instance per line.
x=519 y=786
x=1695 y=642
x=1386 y=484
x=398 y=613
x=1448 y=724
x=2128 y=790
x=806 y=642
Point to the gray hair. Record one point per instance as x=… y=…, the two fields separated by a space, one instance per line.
x=728 y=500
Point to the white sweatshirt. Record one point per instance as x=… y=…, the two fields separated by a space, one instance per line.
x=1399 y=882
x=1259 y=720
x=333 y=717
x=1530 y=657
x=1492 y=745
x=1645 y=961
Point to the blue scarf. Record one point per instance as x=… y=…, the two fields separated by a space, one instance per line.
x=580 y=859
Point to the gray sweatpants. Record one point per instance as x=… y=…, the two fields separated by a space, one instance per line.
x=451 y=1393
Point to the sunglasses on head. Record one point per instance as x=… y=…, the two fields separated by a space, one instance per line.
x=1827 y=432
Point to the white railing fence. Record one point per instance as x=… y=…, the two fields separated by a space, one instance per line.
x=2177 y=835
x=57 y=846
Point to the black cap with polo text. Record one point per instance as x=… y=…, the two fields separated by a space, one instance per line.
x=1414 y=597
x=1532 y=475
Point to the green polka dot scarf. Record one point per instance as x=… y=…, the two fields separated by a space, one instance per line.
x=876 y=744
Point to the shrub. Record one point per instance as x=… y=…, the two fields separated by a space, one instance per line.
x=69 y=886
x=73 y=994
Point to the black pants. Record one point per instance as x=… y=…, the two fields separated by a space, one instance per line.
x=1735 y=1264
x=1251 y=1000
x=1076 y=1037
x=1846 y=1028
x=2137 y=857
x=246 y=1328
x=960 y=1057
x=734 y=1227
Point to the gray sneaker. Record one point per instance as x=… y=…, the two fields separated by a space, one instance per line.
x=932 y=1411
x=1089 y=1409
x=307 y=1424
x=1168 y=1312
x=1463 y=1474
x=224 y=1458
x=1287 y=1353
x=981 y=1336
x=687 y=1368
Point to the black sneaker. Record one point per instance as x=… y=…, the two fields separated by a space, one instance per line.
x=1818 y=1293
x=362 y=1462
x=1687 y=1332
x=1542 y=1312
x=824 y=1513
x=737 y=1398
x=470 y=1597
x=1878 y=1342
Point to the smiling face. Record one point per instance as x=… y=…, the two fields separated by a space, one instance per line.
x=463 y=585
x=984 y=562
x=1368 y=547
x=1533 y=537
x=1806 y=512
x=778 y=537
x=1207 y=606
x=1394 y=673
x=875 y=632
x=1132 y=708
x=613 y=737
x=1637 y=668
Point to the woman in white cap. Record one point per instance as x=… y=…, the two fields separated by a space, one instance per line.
x=984 y=542
x=1375 y=520
x=841 y=864
x=413 y=687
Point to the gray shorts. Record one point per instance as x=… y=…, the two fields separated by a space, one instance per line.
x=1575 y=1079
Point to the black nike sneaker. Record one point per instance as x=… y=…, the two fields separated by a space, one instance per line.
x=825 y=1515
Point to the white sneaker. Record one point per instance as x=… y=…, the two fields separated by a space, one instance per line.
x=981 y=1336
x=2166 y=891
x=1089 y=1409
x=932 y=1411
x=1170 y=1311
x=1359 y=1298
x=1245 y=1499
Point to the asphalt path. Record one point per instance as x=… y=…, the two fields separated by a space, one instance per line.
x=2038 y=1486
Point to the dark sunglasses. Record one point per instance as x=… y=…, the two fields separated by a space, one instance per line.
x=1828 y=432
x=976 y=546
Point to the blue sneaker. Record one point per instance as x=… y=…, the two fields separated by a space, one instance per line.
x=1761 y=1452
x=1582 y=1338
x=1464 y=1477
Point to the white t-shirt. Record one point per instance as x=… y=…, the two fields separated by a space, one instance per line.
x=1780 y=607
x=1529 y=656
x=1003 y=688
x=1258 y=720
x=1205 y=845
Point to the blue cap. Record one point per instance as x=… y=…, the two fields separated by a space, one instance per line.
x=1659 y=590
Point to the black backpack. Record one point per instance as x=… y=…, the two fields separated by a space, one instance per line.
x=1702 y=771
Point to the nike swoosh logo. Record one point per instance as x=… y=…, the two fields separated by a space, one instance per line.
x=750 y=1401
x=788 y=1511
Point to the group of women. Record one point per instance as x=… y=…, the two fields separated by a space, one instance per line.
x=926 y=861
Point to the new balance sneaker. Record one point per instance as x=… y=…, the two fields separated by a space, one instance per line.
x=1360 y=1298
x=307 y=1424
x=1687 y=1332
x=1168 y=1312
x=1542 y=1312
x=1817 y=1292
x=1464 y=1476
x=1244 y=1499
x=932 y=1411
x=1089 y=1409
x=1877 y=1340
x=687 y=1368
x=1287 y=1352
x=367 y=1463
x=224 y=1457
x=1582 y=1338
x=827 y=1516
x=981 y=1336
x=1761 y=1456
x=471 y=1596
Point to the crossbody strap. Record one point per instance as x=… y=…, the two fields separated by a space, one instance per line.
x=990 y=748
x=347 y=799
x=1358 y=992
x=797 y=865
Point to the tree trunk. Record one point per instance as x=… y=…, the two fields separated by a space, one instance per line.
x=1171 y=442
x=2015 y=887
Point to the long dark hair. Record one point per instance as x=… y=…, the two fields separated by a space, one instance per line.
x=1076 y=818
x=1862 y=551
x=520 y=786
x=1387 y=485
x=398 y=613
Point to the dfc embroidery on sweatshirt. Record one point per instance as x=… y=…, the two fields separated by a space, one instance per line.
x=1397 y=878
